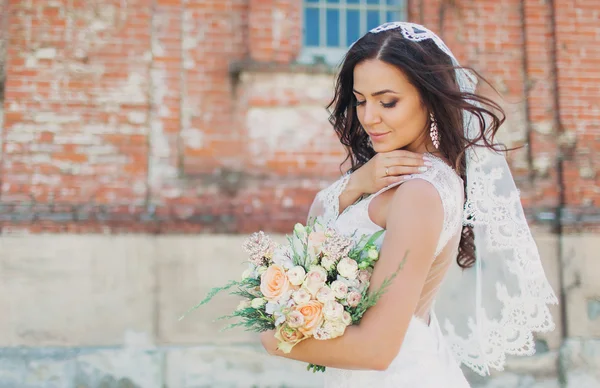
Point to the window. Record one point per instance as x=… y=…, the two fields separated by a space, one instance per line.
x=331 y=26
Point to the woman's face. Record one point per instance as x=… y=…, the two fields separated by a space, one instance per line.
x=389 y=108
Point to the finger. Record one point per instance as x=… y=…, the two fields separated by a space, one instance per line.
x=405 y=170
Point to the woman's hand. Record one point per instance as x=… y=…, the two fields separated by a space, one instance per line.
x=385 y=169
x=269 y=342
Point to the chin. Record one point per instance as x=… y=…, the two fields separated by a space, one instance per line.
x=380 y=148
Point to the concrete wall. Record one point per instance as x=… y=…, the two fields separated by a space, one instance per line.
x=87 y=310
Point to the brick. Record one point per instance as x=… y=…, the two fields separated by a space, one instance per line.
x=144 y=109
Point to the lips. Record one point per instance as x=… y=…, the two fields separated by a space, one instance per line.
x=377 y=136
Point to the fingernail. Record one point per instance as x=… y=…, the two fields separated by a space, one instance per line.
x=423 y=169
x=428 y=163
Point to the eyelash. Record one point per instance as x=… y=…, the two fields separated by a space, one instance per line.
x=387 y=106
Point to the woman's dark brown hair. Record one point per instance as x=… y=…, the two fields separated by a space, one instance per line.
x=432 y=73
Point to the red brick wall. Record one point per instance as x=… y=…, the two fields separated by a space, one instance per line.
x=578 y=60
x=125 y=116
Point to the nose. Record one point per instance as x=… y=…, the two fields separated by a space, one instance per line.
x=370 y=115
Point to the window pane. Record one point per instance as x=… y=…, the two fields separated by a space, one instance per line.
x=333 y=1
x=393 y=17
x=315 y=1
x=311 y=27
x=373 y=1
x=352 y=26
x=393 y=2
x=352 y=1
x=372 y=19
x=333 y=27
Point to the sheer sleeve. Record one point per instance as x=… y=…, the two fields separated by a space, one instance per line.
x=326 y=205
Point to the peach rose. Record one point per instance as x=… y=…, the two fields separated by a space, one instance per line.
x=288 y=338
x=274 y=283
x=313 y=316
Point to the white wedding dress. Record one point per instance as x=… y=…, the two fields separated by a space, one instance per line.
x=424 y=359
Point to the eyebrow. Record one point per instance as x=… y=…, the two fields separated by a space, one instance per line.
x=377 y=93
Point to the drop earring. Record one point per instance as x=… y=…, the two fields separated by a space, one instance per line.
x=433 y=132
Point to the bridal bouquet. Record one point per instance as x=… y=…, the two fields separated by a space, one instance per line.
x=314 y=286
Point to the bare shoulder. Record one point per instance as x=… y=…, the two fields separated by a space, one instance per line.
x=414 y=198
x=416 y=213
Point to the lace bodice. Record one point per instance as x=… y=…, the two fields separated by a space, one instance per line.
x=355 y=218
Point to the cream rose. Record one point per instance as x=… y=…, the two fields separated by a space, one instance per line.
x=334 y=328
x=353 y=299
x=258 y=303
x=296 y=275
x=274 y=283
x=333 y=311
x=363 y=276
x=373 y=254
x=315 y=279
x=327 y=263
x=288 y=338
x=325 y=295
x=295 y=319
x=348 y=268
x=301 y=296
x=313 y=316
x=340 y=289
x=346 y=318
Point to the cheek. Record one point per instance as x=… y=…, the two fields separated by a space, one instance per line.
x=407 y=117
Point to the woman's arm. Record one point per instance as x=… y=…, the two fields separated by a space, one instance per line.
x=414 y=224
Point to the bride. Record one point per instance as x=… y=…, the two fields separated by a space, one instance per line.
x=425 y=170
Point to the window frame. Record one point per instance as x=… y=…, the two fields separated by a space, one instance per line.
x=333 y=55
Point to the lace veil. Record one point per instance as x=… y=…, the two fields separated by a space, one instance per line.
x=507 y=291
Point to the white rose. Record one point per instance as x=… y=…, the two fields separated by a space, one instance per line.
x=333 y=311
x=327 y=263
x=353 y=299
x=301 y=296
x=348 y=268
x=325 y=295
x=334 y=328
x=321 y=334
x=340 y=289
x=258 y=303
x=296 y=275
x=346 y=318
x=373 y=254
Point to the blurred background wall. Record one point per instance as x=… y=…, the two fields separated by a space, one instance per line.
x=142 y=140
